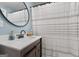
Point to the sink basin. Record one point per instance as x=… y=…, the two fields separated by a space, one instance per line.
x=2 y=51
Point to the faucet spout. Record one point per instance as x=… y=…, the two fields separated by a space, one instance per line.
x=22 y=32
x=21 y=35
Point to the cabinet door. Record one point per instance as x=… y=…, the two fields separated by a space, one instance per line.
x=38 y=50
x=32 y=53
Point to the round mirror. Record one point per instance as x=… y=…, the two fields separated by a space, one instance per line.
x=16 y=13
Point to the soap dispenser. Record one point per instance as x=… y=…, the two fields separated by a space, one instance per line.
x=11 y=36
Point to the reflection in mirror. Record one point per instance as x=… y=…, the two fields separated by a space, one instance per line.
x=16 y=13
x=18 y=18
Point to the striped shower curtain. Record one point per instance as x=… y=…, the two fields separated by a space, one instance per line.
x=58 y=24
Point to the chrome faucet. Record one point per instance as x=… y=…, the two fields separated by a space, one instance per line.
x=22 y=32
x=21 y=35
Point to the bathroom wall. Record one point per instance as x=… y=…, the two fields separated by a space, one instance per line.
x=6 y=27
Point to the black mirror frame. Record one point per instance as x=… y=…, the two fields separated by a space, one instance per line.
x=13 y=23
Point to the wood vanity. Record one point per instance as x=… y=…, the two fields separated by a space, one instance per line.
x=35 y=50
x=29 y=47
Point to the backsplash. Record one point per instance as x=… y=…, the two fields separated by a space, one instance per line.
x=6 y=27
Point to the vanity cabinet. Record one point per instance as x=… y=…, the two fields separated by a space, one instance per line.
x=35 y=51
x=32 y=53
x=32 y=50
x=38 y=50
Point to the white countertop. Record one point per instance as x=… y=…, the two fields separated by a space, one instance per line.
x=18 y=44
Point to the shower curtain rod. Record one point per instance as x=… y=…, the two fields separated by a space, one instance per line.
x=42 y=4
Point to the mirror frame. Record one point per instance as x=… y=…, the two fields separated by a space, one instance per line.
x=13 y=23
